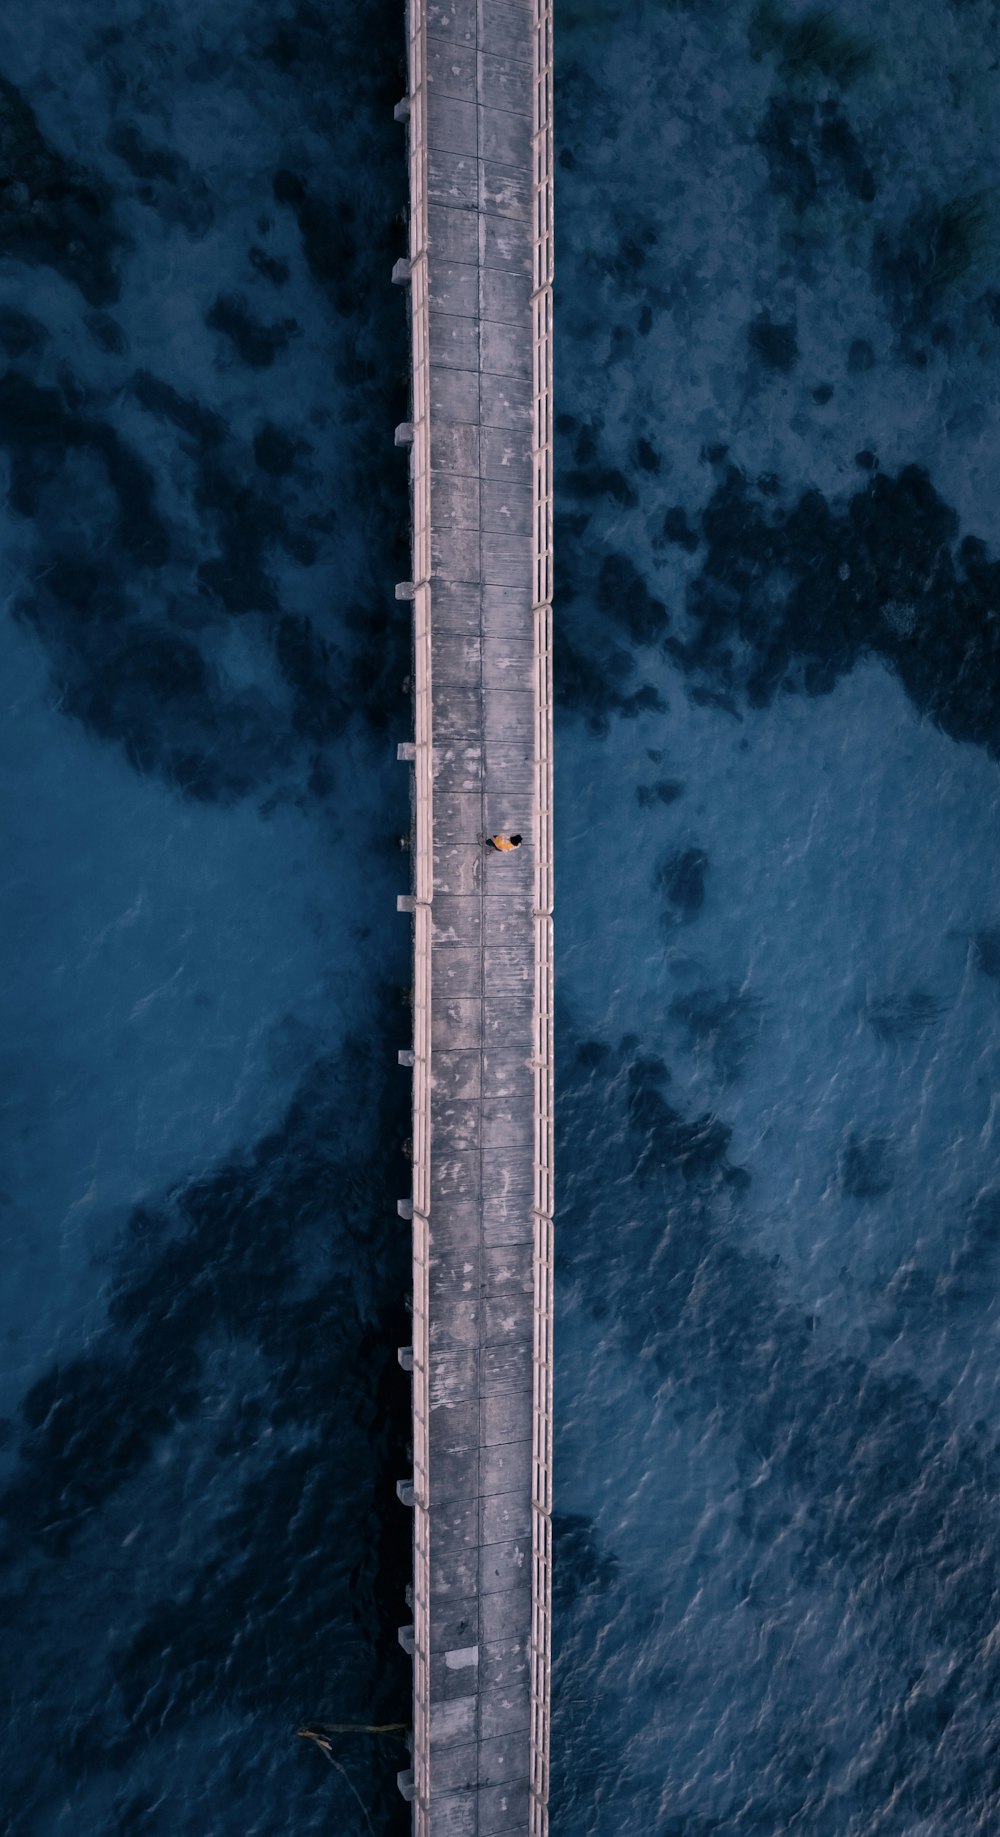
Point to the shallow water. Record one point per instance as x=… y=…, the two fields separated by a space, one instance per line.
x=778 y=899
x=778 y=919
x=204 y=982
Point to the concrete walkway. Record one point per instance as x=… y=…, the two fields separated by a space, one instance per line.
x=478 y=117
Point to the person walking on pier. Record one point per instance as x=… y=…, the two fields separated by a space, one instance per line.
x=503 y=844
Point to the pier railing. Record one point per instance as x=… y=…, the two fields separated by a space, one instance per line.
x=423 y=871
x=541 y=1493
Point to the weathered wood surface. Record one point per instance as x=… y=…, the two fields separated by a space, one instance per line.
x=482 y=1048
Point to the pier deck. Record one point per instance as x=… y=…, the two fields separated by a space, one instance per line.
x=479 y=273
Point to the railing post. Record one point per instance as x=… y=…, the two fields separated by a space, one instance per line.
x=541 y=1495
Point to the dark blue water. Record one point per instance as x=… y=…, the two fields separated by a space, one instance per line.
x=204 y=975
x=779 y=919
x=778 y=1469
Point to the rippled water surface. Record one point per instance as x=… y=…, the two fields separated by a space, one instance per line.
x=204 y=975
x=778 y=917
x=778 y=921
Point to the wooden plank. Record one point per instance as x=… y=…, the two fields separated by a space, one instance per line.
x=504 y=1517
x=507 y=1271
x=456 y=659
x=457 y=818
x=507 y=917
x=506 y=1074
x=452 y=114
x=453 y=1577
x=452 y=1814
x=455 y=501
x=502 y=1613
x=453 y=1673
x=505 y=401
x=507 y=1018
x=454 y=449
x=503 y=1760
x=451 y=71
x=504 y=243
x=456 y=605
x=458 y=766
x=454 y=1378
x=510 y=724
x=509 y=716
x=455 y=1624
x=505 y=352
x=511 y=770
x=505 y=27
x=507 y=1367
x=505 y=294
x=511 y=873
x=457 y=1428
x=505 y=1125
x=455 y=1022
x=505 y=138
x=454 y=396
x=454 y=1476
x=453 y=1723
x=505 y=663
x=503 y=1808
x=504 y=189
x=454 y=340
x=458 y=1129
x=457 y=1075
x=453 y=179
x=454 y=1286
x=456 y=1228
x=453 y=235
x=501 y=558
x=458 y=868
x=455 y=287
x=504 y=1468
x=457 y=715
x=508 y=966
x=458 y=1323
x=457 y=919
x=505 y=508
x=507 y=80
x=458 y=971
x=506 y=1223
x=503 y=1663
x=506 y=611
x=504 y=1418
x=455 y=1175
x=452 y=19
x=501 y=1567
x=456 y=554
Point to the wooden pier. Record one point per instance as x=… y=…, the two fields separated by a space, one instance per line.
x=479 y=123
